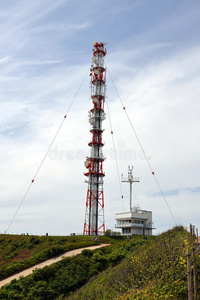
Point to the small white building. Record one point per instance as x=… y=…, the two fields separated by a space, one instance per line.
x=135 y=222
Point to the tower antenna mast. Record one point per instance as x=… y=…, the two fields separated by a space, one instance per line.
x=94 y=223
x=130 y=179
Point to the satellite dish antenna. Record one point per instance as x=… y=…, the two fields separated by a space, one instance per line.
x=94 y=43
x=103 y=117
x=95 y=100
x=94 y=60
x=86 y=163
x=91 y=120
x=96 y=71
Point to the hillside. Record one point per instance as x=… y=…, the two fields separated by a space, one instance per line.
x=153 y=268
x=66 y=276
x=155 y=271
x=18 y=252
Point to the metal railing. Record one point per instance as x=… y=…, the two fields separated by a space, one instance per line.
x=136 y=225
x=129 y=225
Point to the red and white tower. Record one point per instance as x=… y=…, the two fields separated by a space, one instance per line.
x=94 y=216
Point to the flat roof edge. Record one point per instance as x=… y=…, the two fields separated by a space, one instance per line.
x=128 y=212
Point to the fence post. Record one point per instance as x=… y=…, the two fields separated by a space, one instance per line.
x=190 y=233
x=197 y=236
x=189 y=277
x=194 y=274
x=193 y=233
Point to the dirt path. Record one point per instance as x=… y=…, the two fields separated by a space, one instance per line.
x=48 y=263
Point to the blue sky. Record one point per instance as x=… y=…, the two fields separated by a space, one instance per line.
x=153 y=57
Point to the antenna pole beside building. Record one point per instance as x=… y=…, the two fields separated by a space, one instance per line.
x=130 y=179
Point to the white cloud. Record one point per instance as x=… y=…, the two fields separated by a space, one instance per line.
x=64 y=27
x=5 y=59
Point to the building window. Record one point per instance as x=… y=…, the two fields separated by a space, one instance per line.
x=126 y=230
x=137 y=221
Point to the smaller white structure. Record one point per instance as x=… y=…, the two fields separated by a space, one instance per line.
x=135 y=222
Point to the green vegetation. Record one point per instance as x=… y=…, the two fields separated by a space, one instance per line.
x=18 y=252
x=127 y=269
x=63 y=278
x=156 y=271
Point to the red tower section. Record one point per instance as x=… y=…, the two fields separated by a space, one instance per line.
x=94 y=216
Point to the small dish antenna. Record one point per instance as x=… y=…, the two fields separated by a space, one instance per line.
x=96 y=71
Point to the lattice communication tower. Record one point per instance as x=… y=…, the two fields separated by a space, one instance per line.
x=94 y=223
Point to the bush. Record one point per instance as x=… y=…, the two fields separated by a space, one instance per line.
x=70 y=273
x=156 y=270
